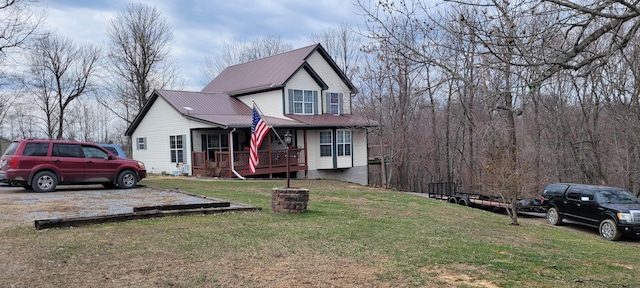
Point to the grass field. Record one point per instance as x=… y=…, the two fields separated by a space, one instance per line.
x=351 y=236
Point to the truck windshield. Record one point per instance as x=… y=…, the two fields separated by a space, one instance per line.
x=616 y=197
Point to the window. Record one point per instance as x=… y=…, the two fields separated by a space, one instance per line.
x=176 y=147
x=303 y=101
x=574 y=194
x=93 y=152
x=36 y=149
x=343 y=142
x=66 y=150
x=12 y=148
x=326 y=142
x=334 y=103
x=141 y=143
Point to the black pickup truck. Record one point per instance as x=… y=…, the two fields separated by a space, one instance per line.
x=614 y=211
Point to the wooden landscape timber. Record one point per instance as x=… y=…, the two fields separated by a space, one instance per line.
x=145 y=213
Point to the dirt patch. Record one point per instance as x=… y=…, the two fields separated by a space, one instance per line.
x=459 y=275
x=19 y=207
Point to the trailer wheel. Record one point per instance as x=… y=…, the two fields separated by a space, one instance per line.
x=453 y=200
x=464 y=201
x=553 y=217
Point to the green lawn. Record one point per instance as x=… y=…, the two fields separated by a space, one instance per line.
x=351 y=236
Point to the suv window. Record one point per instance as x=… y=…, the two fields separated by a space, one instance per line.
x=93 y=152
x=36 y=149
x=11 y=149
x=66 y=150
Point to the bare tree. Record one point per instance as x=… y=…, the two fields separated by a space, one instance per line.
x=18 y=22
x=139 y=59
x=240 y=52
x=59 y=73
x=343 y=44
x=516 y=73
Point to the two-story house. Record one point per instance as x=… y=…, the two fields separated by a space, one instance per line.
x=302 y=92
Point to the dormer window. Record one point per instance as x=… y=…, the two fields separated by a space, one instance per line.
x=303 y=102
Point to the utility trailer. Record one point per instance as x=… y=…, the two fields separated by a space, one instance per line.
x=447 y=191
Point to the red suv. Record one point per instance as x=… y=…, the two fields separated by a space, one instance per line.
x=43 y=164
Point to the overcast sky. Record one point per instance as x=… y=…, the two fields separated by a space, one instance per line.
x=202 y=26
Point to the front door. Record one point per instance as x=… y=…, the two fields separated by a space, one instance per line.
x=98 y=167
x=588 y=209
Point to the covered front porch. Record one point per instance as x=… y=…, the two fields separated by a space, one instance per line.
x=270 y=162
x=214 y=158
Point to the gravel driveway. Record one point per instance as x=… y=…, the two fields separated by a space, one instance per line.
x=19 y=207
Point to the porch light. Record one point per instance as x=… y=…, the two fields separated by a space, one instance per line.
x=287 y=140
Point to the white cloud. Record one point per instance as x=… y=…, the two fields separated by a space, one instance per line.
x=201 y=27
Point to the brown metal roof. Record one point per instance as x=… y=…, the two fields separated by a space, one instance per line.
x=215 y=108
x=219 y=109
x=204 y=103
x=215 y=105
x=260 y=74
x=329 y=120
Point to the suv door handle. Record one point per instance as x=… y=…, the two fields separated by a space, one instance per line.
x=56 y=161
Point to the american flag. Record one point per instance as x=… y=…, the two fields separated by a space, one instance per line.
x=258 y=130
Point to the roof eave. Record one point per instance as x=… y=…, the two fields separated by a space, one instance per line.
x=136 y=121
x=335 y=68
x=255 y=90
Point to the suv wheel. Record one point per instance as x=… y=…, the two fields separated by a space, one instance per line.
x=44 y=181
x=127 y=179
x=609 y=230
x=553 y=217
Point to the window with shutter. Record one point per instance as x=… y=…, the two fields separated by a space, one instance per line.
x=334 y=103
x=141 y=143
x=304 y=102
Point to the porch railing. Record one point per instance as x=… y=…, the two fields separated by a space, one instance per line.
x=269 y=161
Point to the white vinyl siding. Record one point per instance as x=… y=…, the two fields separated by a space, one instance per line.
x=161 y=121
x=270 y=102
x=302 y=81
x=329 y=76
x=313 y=152
x=359 y=142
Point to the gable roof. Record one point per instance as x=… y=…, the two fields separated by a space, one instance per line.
x=222 y=111
x=271 y=72
x=216 y=109
x=215 y=106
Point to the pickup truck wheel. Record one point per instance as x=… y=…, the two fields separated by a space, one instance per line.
x=609 y=230
x=44 y=181
x=553 y=217
x=127 y=179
